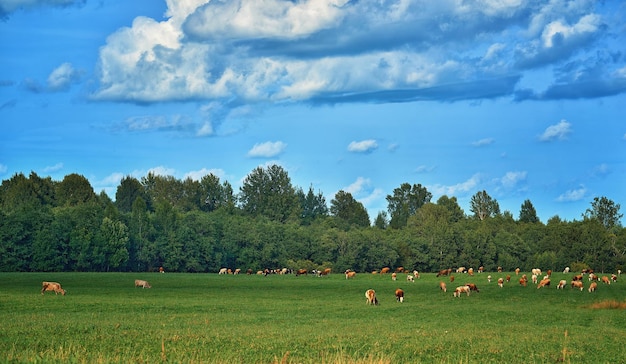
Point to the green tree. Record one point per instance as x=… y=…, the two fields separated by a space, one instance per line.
x=74 y=190
x=114 y=235
x=527 y=213
x=405 y=202
x=127 y=192
x=605 y=211
x=452 y=205
x=483 y=206
x=268 y=192
x=381 y=220
x=215 y=193
x=312 y=205
x=347 y=209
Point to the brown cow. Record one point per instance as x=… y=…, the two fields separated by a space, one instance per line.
x=593 y=286
x=325 y=272
x=350 y=274
x=472 y=287
x=606 y=280
x=461 y=289
x=384 y=270
x=443 y=287
x=444 y=272
x=370 y=296
x=577 y=284
x=301 y=272
x=562 y=284
x=522 y=282
x=543 y=283
x=52 y=286
x=399 y=295
x=500 y=282
x=142 y=284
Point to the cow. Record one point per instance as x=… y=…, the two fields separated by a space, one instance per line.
x=562 y=284
x=249 y=271
x=489 y=278
x=384 y=270
x=237 y=271
x=508 y=278
x=52 y=286
x=500 y=282
x=300 y=272
x=444 y=272
x=613 y=277
x=461 y=289
x=451 y=278
x=399 y=295
x=543 y=283
x=142 y=283
x=606 y=280
x=161 y=270
x=325 y=272
x=223 y=271
x=566 y=270
x=472 y=287
x=443 y=287
x=593 y=286
x=536 y=271
x=470 y=271
x=370 y=296
x=350 y=274
x=522 y=282
x=578 y=277
x=577 y=284
x=517 y=270
x=400 y=270
x=394 y=276
x=410 y=278
x=460 y=270
x=416 y=274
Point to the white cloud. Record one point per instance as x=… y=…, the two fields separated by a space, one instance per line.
x=483 y=142
x=267 y=149
x=55 y=168
x=557 y=31
x=512 y=179
x=557 y=131
x=424 y=169
x=63 y=77
x=162 y=171
x=364 y=146
x=197 y=175
x=573 y=195
x=457 y=189
x=358 y=186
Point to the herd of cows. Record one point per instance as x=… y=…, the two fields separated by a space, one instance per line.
x=537 y=278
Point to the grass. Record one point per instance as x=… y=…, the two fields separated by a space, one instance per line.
x=207 y=318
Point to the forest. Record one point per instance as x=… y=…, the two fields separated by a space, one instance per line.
x=202 y=226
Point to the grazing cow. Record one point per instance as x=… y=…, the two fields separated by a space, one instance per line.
x=141 y=283
x=416 y=274
x=578 y=277
x=549 y=273
x=577 y=284
x=593 y=277
x=472 y=287
x=508 y=278
x=399 y=295
x=237 y=271
x=536 y=271
x=400 y=270
x=410 y=278
x=499 y=269
x=523 y=282
x=301 y=272
x=544 y=283
x=394 y=276
x=451 y=278
x=460 y=270
x=470 y=271
x=534 y=278
x=443 y=287
x=619 y=272
x=325 y=272
x=370 y=296
x=562 y=284
x=384 y=270
x=489 y=278
x=566 y=270
x=161 y=270
x=444 y=272
x=606 y=280
x=481 y=269
x=52 y=286
x=461 y=289
x=223 y=271
x=613 y=277
x=500 y=282
x=593 y=286
x=517 y=270
x=350 y=274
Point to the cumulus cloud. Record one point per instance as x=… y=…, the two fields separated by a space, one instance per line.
x=63 y=77
x=337 y=51
x=512 y=179
x=197 y=175
x=267 y=149
x=558 y=131
x=363 y=146
x=458 y=189
x=573 y=195
x=162 y=171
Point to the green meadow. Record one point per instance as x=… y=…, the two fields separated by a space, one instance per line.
x=211 y=318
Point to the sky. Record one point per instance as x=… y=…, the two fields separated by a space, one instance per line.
x=525 y=99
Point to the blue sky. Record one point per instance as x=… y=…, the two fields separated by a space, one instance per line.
x=522 y=98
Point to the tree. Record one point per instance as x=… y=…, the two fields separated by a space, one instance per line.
x=268 y=192
x=528 y=213
x=215 y=193
x=74 y=190
x=127 y=192
x=483 y=206
x=405 y=202
x=381 y=221
x=605 y=211
x=351 y=211
x=452 y=205
x=312 y=205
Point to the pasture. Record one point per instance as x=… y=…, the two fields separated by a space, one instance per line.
x=211 y=318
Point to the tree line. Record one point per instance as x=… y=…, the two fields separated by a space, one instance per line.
x=204 y=225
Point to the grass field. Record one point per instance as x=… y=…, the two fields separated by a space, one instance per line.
x=208 y=318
